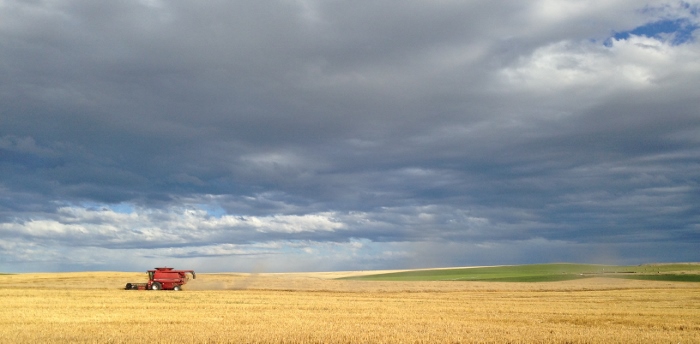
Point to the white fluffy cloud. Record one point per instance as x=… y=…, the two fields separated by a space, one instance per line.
x=597 y=71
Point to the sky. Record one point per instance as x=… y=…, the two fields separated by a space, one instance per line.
x=322 y=135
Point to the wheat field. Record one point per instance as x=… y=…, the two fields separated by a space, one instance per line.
x=314 y=308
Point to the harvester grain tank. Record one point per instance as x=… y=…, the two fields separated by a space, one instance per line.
x=163 y=279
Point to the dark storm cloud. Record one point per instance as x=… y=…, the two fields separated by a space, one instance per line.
x=347 y=132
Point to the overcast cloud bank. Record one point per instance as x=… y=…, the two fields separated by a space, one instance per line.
x=314 y=135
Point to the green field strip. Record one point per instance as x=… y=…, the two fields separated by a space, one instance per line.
x=544 y=273
x=662 y=277
x=534 y=272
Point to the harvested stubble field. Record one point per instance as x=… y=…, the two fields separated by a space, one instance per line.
x=316 y=308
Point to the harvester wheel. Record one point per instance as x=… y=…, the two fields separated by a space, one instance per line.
x=156 y=286
x=177 y=288
x=128 y=286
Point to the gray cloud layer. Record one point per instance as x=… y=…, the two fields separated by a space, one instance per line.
x=307 y=135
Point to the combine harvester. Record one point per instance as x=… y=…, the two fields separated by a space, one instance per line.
x=163 y=279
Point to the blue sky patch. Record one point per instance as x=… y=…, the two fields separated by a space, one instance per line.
x=679 y=30
x=212 y=210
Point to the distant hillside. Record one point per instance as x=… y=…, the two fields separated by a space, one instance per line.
x=683 y=272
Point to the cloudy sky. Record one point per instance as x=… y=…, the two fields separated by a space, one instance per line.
x=310 y=135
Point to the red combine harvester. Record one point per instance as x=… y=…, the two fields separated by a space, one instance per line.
x=163 y=279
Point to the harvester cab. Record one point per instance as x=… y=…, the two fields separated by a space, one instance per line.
x=163 y=279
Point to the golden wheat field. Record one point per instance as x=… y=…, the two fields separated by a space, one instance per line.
x=313 y=308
